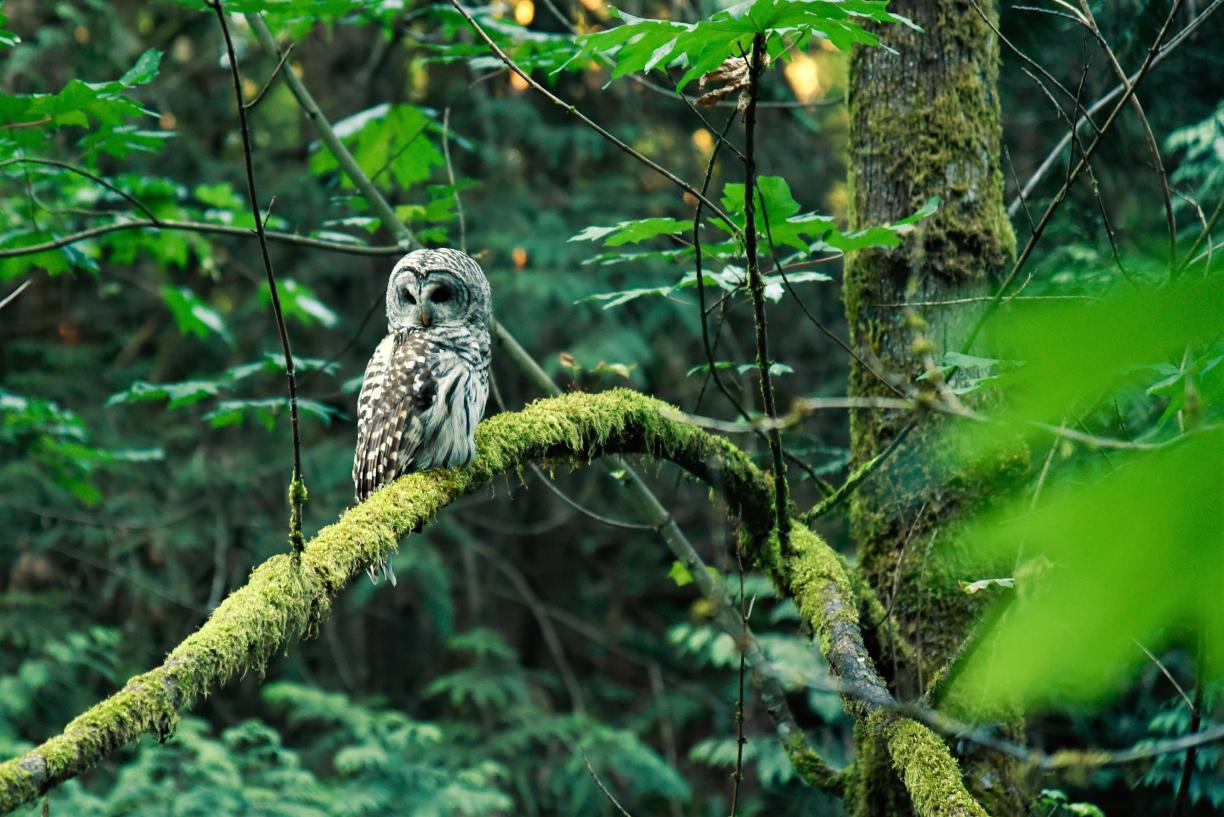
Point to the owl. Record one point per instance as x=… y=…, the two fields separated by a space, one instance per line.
x=424 y=389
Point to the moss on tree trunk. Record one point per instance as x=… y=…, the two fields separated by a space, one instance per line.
x=923 y=122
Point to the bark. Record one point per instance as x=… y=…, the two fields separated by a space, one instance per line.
x=923 y=122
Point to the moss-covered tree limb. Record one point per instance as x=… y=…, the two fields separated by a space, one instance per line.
x=285 y=599
x=809 y=765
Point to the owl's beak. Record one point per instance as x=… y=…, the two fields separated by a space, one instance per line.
x=425 y=316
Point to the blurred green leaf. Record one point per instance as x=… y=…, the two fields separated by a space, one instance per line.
x=299 y=301
x=1091 y=547
x=192 y=314
x=178 y=394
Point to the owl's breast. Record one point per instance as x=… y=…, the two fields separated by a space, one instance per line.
x=461 y=390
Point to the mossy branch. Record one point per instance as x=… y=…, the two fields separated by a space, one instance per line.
x=284 y=600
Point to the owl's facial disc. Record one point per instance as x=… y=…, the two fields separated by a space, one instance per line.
x=425 y=298
x=441 y=287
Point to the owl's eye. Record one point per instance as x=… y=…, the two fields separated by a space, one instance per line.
x=440 y=295
x=408 y=296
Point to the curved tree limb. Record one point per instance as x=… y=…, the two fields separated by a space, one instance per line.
x=284 y=600
x=807 y=763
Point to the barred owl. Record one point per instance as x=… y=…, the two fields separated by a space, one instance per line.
x=424 y=389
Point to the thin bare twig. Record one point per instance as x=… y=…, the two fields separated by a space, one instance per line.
x=756 y=288
x=327 y=135
x=1168 y=675
x=12 y=296
x=1028 y=216
x=585 y=511
x=1161 y=55
x=1196 y=717
x=1204 y=235
x=602 y=787
x=450 y=178
x=984 y=298
x=703 y=314
x=297 y=487
x=1061 y=196
x=280 y=65
x=80 y=171
x=532 y=600
x=865 y=470
x=204 y=228
x=738 y=775
x=1092 y=180
x=804 y=407
x=1153 y=147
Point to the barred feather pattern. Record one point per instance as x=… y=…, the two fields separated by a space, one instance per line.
x=425 y=387
x=419 y=405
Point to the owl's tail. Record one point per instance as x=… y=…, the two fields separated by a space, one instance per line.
x=385 y=568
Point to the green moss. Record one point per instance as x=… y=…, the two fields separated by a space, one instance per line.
x=813 y=768
x=873 y=790
x=818 y=582
x=924 y=763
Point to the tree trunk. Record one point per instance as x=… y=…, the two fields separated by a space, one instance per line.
x=923 y=122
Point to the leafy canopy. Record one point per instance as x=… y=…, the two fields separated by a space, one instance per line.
x=643 y=44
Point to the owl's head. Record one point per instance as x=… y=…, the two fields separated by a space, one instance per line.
x=440 y=288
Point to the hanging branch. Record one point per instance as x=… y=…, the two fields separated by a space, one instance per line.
x=756 y=288
x=740 y=740
x=1089 y=21
x=854 y=479
x=297 y=487
x=12 y=296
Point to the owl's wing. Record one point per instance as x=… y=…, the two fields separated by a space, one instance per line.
x=398 y=390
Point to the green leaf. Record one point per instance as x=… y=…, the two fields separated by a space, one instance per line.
x=178 y=394
x=7 y=38
x=220 y=195
x=963 y=361
x=144 y=71
x=299 y=301
x=634 y=232
x=391 y=139
x=275 y=362
x=641 y=45
x=984 y=584
x=613 y=299
x=192 y=314
x=680 y=574
x=266 y=411
x=1092 y=541
x=775 y=368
